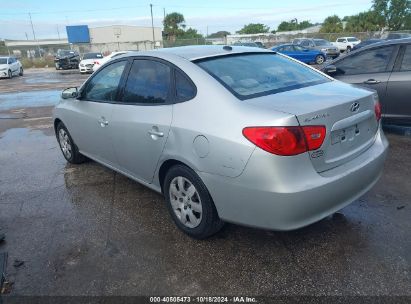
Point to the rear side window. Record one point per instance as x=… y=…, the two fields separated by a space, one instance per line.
x=368 y=61
x=253 y=75
x=185 y=90
x=406 y=59
x=148 y=82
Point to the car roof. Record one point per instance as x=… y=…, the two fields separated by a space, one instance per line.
x=202 y=51
x=387 y=42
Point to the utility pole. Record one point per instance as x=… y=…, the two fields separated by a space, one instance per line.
x=34 y=34
x=152 y=25
x=164 y=11
x=58 y=32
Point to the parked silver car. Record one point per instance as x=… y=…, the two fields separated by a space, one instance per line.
x=234 y=134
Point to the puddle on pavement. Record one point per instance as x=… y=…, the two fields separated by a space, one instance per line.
x=29 y=99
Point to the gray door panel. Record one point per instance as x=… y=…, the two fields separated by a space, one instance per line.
x=141 y=122
x=138 y=134
x=398 y=98
x=375 y=81
x=89 y=124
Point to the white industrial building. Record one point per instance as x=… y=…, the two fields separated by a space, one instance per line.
x=105 y=39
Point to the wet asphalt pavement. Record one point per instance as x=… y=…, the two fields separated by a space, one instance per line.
x=86 y=230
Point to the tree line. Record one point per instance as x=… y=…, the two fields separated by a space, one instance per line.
x=392 y=15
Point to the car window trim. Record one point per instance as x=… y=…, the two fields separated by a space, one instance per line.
x=265 y=93
x=172 y=97
x=390 y=65
x=177 y=69
x=400 y=58
x=84 y=86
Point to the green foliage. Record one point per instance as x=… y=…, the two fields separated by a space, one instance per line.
x=395 y=14
x=363 y=22
x=332 y=24
x=173 y=25
x=293 y=25
x=219 y=34
x=254 y=28
x=189 y=34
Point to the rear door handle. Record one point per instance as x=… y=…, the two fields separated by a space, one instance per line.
x=103 y=122
x=156 y=133
x=371 y=81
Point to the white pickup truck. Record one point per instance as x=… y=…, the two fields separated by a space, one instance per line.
x=346 y=44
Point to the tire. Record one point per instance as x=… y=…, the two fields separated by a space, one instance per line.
x=319 y=59
x=21 y=72
x=67 y=145
x=193 y=211
x=9 y=74
x=348 y=50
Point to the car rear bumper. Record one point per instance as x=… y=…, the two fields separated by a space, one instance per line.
x=290 y=194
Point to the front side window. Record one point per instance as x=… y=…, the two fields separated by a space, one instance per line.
x=104 y=86
x=406 y=59
x=369 y=61
x=305 y=43
x=148 y=82
x=300 y=48
x=288 y=48
x=352 y=39
x=252 y=75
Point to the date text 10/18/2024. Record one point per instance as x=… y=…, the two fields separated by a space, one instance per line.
x=238 y=299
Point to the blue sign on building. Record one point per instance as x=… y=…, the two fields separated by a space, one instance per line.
x=78 y=34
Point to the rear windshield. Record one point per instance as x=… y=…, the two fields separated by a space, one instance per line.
x=92 y=56
x=252 y=75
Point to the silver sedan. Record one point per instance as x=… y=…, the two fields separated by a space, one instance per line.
x=227 y=134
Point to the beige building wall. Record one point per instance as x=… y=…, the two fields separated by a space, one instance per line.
x=123 y=33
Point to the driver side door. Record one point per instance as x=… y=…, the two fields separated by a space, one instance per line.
x=89 y=121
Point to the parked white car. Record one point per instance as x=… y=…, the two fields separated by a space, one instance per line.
x=88 y=61
x=99 y=62
x=9 y=67
x=346 y=44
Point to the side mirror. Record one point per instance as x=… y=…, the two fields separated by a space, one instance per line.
x=69 y=93
x=331 y=69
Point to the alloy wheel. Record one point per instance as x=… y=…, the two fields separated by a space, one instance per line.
x=65 y=143
x=185 y=202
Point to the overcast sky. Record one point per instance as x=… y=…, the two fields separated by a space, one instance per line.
x=51 y=17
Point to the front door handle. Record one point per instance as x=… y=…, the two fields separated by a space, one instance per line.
x=103 y=122
x=371 y=81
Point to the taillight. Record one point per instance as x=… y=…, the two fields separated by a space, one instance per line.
x=377 y=109
x=286 y=141
x=314 y=135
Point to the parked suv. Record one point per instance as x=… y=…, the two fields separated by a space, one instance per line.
x=346 y=44
x=9 y=67
x=385 y=67
x=319 y=44
x=67 y=59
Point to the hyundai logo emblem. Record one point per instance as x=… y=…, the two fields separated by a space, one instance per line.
x=354 y=107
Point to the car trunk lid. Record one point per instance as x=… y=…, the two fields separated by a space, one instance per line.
x=346 y=112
